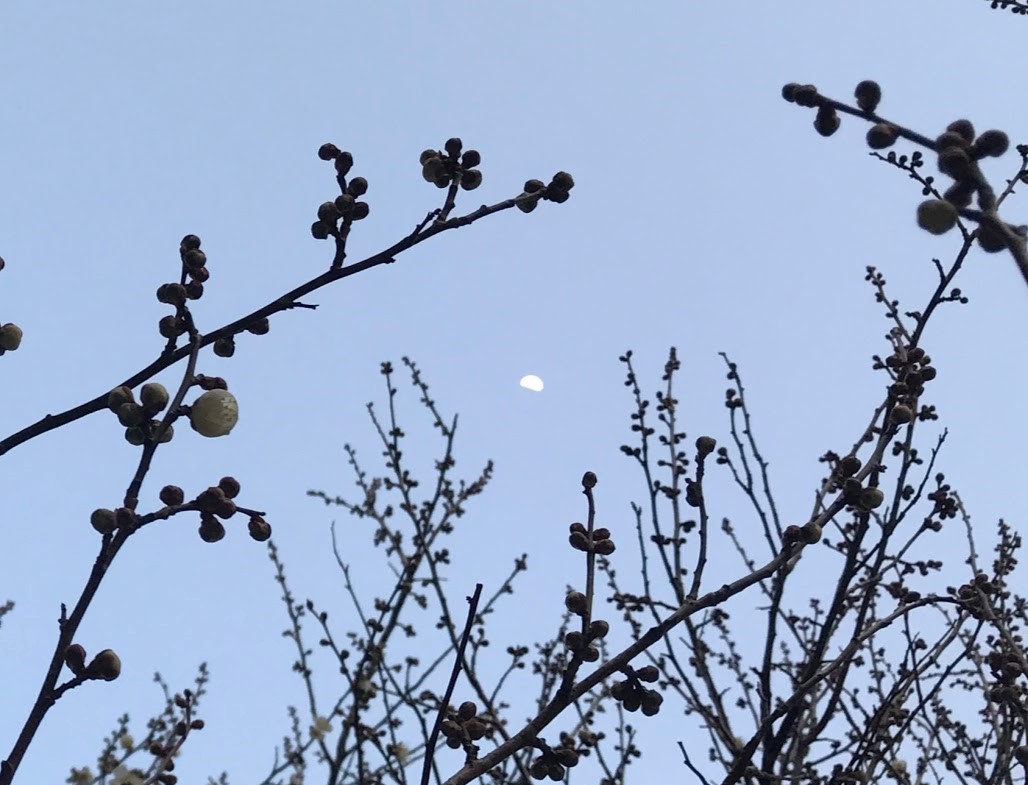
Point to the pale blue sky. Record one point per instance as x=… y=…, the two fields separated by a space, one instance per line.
x=707 y=214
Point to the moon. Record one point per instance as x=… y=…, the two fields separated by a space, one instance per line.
x=532 y=382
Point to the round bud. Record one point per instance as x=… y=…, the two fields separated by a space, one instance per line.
x=166 y=435
x=651 y=701
x=10 y=337
x=475 y=729
x=573 y=640
x=259 y=326
x=806 y=95
x=467 y=710
x=225 y=346
x=471 y=179
x=826 y=121
x=851 y=490
x=789 y=91
x=194 y=290
x=792 y=533
x=345 y=202
x=604 y=547
x=427 y=155
x=172 y=293
x=172 y=495
x=871 y=498
x=358 y=186
x=648 y=673
x=849 y=466
x=881 y=136
x=194 y=259
x=955 y=162
x=526 y=203
x=106 y=665
x=118 y=396
x=319 y=231
x=168 y=326
x=360 y=211
x=471 y=158
x=566 y=756
x=990 y=239
x=211 y=529
x=563 y=181
x=130 y=414
x=534 y=186
x=215 y=413
x=705 y=445
x=589 y=480
x=901 y=414
x=991 y=143
x=230 y=487
x=154 y=397
x=135 y=435
x=453 y=146
x=868 y=94
x=328 y=152
x=936 y=216
x=328 y=212
x=579 y=541
x=104 y=520
x=597 y=629
x=344 y=162
x=259 y=529
x=590 y=654
x=201 y=274
x=75 y=658
x=575 y=602
x=189 y=243
x=962 y=128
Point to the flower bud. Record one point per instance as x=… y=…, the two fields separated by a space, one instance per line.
x=172 y=495
x=154 y=397
x=260 y=529
x=103 y=520
x=75 y=658
x=106 y=665
x=215 y=413
x=117 y=397
x=10 y=337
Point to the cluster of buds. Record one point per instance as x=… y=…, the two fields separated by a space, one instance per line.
x=631 y=693
x=442 y=167
x=975 y=596
x=344 y=208
x=225 y=345
x=189 y=287
x=166 y=751
x=582 y=644
x=216 y=505
x=464 y=727
x=215 y=411
x=1007 y=669
x=596 y=541
x=139 y=418
x=105 y=666
x=553 y=761
x=912 y=368
x=108 y=521
x=558 y=190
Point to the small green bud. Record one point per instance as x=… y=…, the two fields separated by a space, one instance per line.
x=117 y=397
x=130 y=414
x=154 y=397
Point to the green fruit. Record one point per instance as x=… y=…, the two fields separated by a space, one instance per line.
x=936 y=216
x=10 y=337
x=215 y=413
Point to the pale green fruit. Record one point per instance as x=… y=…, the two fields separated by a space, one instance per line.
x=936 y=216
x=10 y=336
x=215 y=413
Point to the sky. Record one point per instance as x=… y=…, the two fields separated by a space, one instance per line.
x=707 y=214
